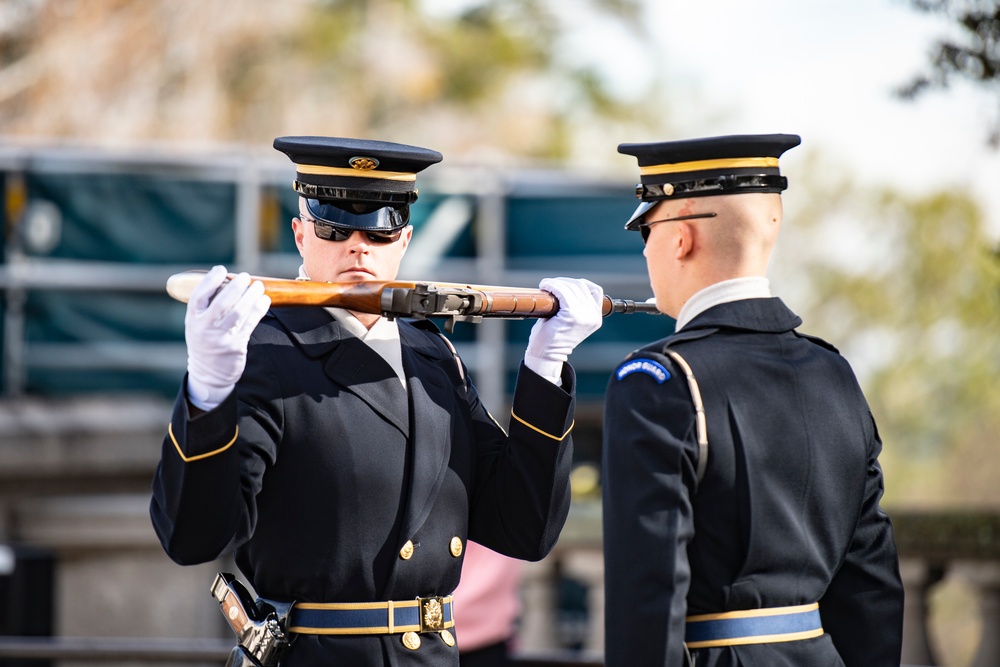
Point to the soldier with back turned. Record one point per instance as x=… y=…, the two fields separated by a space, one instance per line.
x=741 y=478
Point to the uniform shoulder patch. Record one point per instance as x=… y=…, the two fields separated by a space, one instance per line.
x=650 y=367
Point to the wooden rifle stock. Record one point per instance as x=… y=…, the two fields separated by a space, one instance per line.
x=397 y=298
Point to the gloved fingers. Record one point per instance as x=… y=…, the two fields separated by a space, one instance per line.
x=203 y=292
x=590 y=286
x=576 y=290
x=252 y=306
x=579 y=299
x=225 y=309
x=236 y=302
x=596 y=292
x=221 y=316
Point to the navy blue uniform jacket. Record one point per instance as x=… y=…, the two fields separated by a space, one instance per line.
x=319 y=468
x=786 y=514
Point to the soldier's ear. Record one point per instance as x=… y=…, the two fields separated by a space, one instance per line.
x=407 y=236
x=684 y=239
x=298 y=231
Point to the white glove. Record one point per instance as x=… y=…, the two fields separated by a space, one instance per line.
x=553 y=339
x=217 y=330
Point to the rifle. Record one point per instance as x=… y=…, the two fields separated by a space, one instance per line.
x=419 y=300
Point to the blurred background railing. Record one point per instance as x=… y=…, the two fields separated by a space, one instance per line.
x=92 y=354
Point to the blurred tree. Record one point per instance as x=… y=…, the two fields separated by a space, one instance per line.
x=909 y=289
x=973 y=54
x=472 y=77
x=490 y=75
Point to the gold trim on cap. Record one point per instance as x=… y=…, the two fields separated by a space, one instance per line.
x=701 y=165
x=320 y=170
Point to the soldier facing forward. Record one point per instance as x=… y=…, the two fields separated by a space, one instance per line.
x=346 y=459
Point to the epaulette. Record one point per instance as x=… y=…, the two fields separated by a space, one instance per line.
x=817 y=341
x=425 y=324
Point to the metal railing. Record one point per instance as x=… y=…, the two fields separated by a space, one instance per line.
x=23 y=273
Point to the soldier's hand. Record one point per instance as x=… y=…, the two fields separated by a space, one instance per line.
x=220 y=318
x=553 y=339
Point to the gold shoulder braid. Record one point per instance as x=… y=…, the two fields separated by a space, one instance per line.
x=699 y=409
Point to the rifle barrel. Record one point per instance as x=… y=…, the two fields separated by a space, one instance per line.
x=367 y=297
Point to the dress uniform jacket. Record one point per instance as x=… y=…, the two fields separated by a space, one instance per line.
x=787 y=512
x=332 y=484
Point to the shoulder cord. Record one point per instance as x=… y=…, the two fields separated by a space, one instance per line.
x=699 y=408
x=454 y=354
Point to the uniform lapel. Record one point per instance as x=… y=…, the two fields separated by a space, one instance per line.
x=432 y=397
x=361 y=370
x=350 y=363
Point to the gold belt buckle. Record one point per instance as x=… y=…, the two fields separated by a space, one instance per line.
x=431 y=614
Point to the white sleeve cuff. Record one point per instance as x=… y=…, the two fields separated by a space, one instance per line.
x=550 y=370
x=206 y=397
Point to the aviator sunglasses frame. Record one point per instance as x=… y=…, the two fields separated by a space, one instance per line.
x=644 y=226
x=329 y=232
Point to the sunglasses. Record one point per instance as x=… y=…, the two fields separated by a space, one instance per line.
x=644 y=227
x=331 y=233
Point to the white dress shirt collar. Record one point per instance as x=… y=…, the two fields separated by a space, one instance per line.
x=737 y=289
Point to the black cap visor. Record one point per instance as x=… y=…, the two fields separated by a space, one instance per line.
x=639 y=215
x=383 y=219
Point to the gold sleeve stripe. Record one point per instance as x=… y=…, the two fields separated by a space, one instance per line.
x=557 y=438
x=701 y=165
x=189 y=459
x=320 y=170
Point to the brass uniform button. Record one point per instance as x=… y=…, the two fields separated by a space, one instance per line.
x=456 y=546
x=448 y=638
x=406 y=553
x=411 y=640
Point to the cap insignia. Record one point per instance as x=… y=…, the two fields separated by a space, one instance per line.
x=363 y=163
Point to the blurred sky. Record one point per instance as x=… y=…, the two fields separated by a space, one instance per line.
x=824 y=69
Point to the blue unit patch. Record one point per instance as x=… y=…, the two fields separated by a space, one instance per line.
x=652 y=368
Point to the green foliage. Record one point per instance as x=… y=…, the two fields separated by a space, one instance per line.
x=909 y=289
x=483 y=47
x=394 y=58
x=468 y=77
x=974 y=54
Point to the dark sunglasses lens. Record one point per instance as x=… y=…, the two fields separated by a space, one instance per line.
x=384 y=237
x=644 y=230
x=331 y=233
